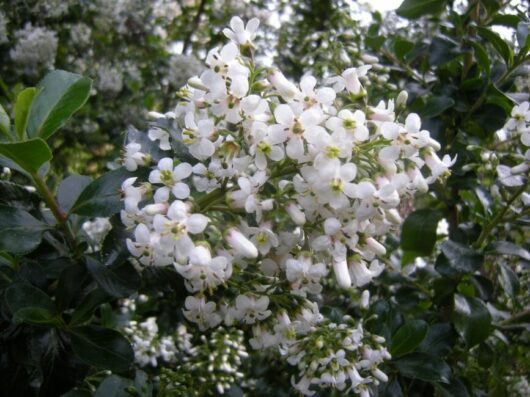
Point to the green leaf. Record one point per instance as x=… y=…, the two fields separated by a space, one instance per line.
x=20 y=232
x=439 y=340
x=22 y=109
x=60 y=95
x=114 y=386
x=70 y=189
x=423 y=366
x=509 y=281
x=471 y=319
x=118 y=281
x=402 y=47
x=461 y=258
x=502 y=48
x=35 y=315
x=408 y=337
x=481 y=56
x=413 y=9
x=83 y=311
x=29 y=155
x=102 y=197
x=29 y=304
x=69 y=285
x=508 y=20
x=23 y=295
x=436 y=105
x=102 y=347
x=507 y=248
x=5 y=123
x=418 y=233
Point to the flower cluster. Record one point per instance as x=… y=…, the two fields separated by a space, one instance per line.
x=275 y=186
x=211 y=368
x=517 y=132
x=36 y=46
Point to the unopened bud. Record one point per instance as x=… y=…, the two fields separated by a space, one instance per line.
x=342 y=274
x=401 y=100
x=296 y=214
x=241 y=244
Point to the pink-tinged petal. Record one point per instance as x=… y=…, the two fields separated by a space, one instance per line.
x=182 y=171
x=348 y=172
x=154 y=176
x=326 y=95
x=252 y=25
x=196 y=223
x=284 y=115
x=237 y=25
x=413 y=123
x=276 y=153
x=307 y=85
x=165 y=164
x=390 y=130
x=295 y=148
x=181 y=190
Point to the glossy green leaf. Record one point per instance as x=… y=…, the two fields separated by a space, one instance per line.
x=30 y=155
x=481 y=56
x=102 y=197
x=436 y=105
x=102 y=347
x=418 y=233
x=84 y=310
x=22 y=109
x=22 y=295
x=114 y=386
x=509 y=281
x=502 y=48
x=461 y=258
x=408 y=337
x=423 y=366
x=507 y=248
x=471 y=319
x=60 y=95
x=439 y=340
x=36 y=316
x=413 y=9
x=70 y=189
x=5 y=123
x=119 y=281
x=20 y=232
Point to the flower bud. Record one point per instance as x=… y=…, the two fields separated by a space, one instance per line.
x=365 y=299
x=241 y=244
x=286 y=89
x=153 y=209
x=296 y=214
x=342 y=274
x=401 y=100
x=375 y=246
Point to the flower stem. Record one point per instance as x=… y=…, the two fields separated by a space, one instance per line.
x=60 y=216
x=498 y=218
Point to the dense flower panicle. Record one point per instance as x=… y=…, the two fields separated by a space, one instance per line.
x=36 y=46
x=282 y=185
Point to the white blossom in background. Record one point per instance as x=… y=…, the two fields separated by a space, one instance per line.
x=288 y=189
x=109 y=80
x=35 y=46
x=96 y=230
x=181 y=68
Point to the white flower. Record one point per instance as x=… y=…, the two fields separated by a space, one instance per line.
x=241 y=34
x=520 y=117
x=203 y=271
x=158 y=134
x=202 y=313
x=349 y=80
x=249 y=310
x=171 y=177
x=134 y=157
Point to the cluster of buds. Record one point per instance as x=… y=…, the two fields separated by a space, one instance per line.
x=272 y=187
